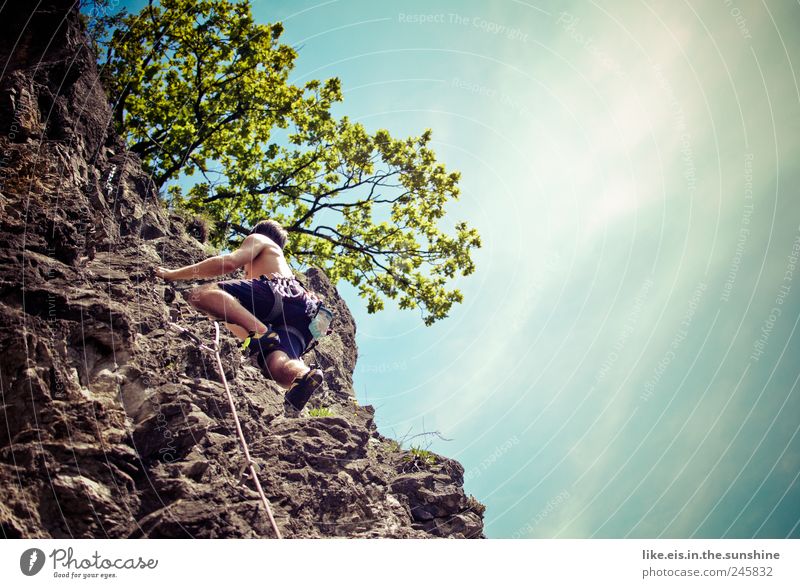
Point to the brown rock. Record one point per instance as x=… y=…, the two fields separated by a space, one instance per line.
x=115 y=427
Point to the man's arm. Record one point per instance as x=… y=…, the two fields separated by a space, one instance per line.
x=216 y=266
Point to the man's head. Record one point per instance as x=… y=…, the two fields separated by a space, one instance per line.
x=273 y=230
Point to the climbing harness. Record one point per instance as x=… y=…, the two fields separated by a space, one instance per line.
x=286 y=286
x=248 y=462
x=320 y=316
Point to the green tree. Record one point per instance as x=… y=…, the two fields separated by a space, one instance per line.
x=199 y=89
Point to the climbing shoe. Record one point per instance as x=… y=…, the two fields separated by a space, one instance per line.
x=303 y=388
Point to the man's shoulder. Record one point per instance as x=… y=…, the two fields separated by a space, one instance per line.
x=260 y=239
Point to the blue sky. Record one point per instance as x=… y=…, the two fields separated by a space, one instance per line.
x=625 y=361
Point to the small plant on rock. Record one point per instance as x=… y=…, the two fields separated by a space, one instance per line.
x=320 y=412
x=420 y=457
x=393 y=446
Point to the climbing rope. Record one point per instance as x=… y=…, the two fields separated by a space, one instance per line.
x=248 y=462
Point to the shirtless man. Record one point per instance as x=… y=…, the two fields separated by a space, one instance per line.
x=270 y=301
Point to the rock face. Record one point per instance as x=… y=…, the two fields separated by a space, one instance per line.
x=111 y=425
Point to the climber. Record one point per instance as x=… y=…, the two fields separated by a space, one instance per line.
x=270 y=310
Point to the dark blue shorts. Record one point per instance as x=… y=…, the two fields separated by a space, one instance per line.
x=286 y=315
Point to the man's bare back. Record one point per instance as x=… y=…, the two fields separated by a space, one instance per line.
x=267 y=258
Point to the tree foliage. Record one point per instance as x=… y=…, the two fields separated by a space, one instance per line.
x=200 y=90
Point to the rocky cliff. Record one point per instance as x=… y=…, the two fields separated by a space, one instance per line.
x=111 y=425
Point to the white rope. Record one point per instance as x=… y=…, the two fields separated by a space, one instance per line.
x=242 y=441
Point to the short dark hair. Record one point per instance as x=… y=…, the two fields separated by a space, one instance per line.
x=273 y=230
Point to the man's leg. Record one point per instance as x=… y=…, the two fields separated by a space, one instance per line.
x=284 y=369
x=213 y=300
x=238 y=332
